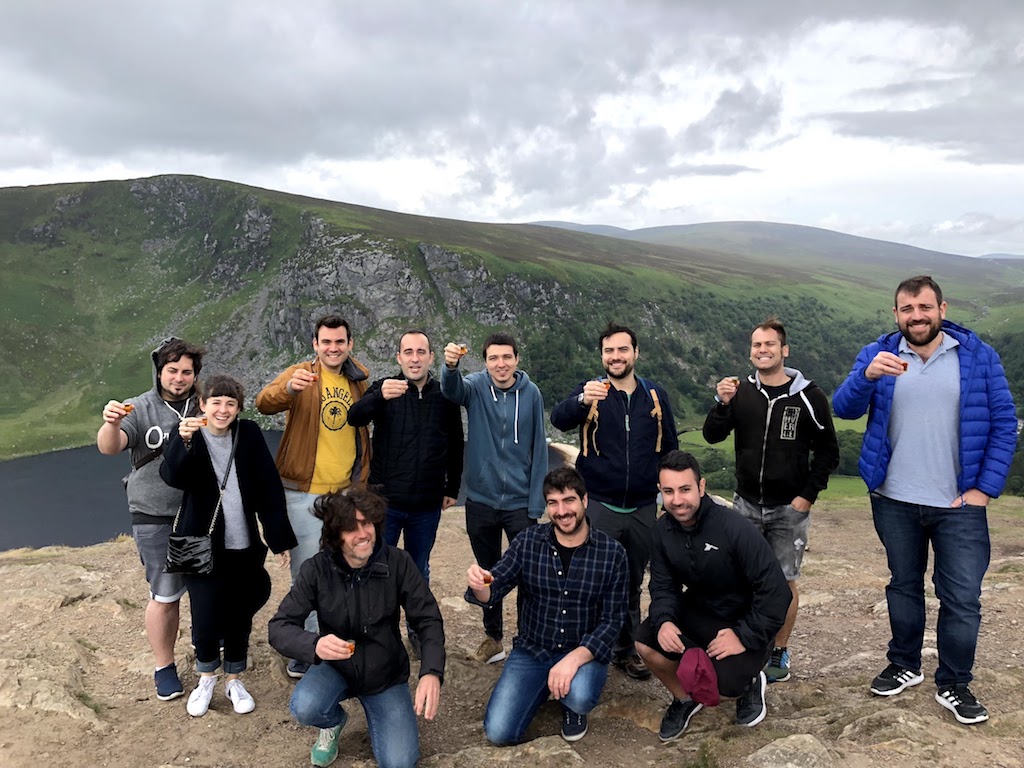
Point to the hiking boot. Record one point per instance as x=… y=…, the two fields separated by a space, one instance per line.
x=895 y=679
x=296 y=669
x=490 y=651
x=777 y=668
x=240 y=698
x=633 y=665
x=750 y=706
x=676 y=718
x=168 y=686
x=199 y=700
x=574 y=725
x=325 y=751
x=959 y=700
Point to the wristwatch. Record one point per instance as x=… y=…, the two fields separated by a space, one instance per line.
x=579 y=399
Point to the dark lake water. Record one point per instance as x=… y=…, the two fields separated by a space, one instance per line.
x=71 y=497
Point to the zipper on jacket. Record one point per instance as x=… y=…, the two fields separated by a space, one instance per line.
x=764 y=446
x=625 y=490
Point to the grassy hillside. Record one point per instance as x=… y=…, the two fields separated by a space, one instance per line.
x=93 y=275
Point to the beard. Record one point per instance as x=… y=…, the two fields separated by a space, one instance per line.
x=618 y=377
x=930 y=331
x=576 y=526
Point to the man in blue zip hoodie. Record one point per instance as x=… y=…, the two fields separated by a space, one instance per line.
x=940 y=438
x=626 y=426
x=506 y=458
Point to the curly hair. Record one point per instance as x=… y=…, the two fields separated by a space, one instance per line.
x=338 y=512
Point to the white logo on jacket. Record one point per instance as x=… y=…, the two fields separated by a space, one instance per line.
x=708 y=546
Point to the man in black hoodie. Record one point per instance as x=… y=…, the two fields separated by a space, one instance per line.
x=785 y=450
x=715 y=587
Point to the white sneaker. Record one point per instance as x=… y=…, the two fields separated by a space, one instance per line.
x=199 y=699
x=240 y=698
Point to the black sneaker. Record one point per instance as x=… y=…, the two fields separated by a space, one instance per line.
x=633 y=665
x=959 y=700
x=750 y=706
x=574 y=725
x=676 y=718
x=895 y=679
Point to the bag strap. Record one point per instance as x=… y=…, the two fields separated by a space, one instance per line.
x=151 y=456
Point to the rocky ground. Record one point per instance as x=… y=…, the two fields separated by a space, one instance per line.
x=76 y=677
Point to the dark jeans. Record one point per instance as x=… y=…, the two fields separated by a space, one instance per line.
x=484 y=525
x=223 y=604
x=633 y=531
x=420 y=531
x=959 y=538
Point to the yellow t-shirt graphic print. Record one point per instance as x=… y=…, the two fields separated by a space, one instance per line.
x=336 y=439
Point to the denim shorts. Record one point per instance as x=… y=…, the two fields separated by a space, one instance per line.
x=151 y=541
x=784 y=527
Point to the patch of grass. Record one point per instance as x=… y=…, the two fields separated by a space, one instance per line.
x=89 y=701
x=705 y=756
x=124 y=602
x=1011 y=568
x=843 y=487
x=88 y=645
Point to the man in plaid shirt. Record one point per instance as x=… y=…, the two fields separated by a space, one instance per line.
x=573 y=580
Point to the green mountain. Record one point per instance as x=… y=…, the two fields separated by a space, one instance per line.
x=93 y=275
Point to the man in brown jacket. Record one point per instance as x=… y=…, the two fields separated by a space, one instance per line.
x=320 y=451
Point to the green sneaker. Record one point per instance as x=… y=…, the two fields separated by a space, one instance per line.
x=325 y=751
x=777 y=668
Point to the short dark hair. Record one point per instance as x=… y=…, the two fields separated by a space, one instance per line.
x=772 y=323
x=611 y=330
x=501 y=339
x=338 y=512
x=565 y=479
x=173 y=349
x=222 y=385
x=411 y=332
x=680 y=461
x=331 y=321
x=914 y=286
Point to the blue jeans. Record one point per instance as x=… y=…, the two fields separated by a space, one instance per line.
x=959 y=538
x=307 y=529
x=420 y=529
x=523 y=687
x=390 y=718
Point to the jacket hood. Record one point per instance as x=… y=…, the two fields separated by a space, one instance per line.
x=798 y=384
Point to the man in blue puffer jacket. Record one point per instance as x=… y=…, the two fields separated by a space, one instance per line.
x=941 y=433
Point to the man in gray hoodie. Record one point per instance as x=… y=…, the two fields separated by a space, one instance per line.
x=506 y=458
x=144 y=424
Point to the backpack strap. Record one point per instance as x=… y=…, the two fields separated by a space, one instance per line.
x=655 y=411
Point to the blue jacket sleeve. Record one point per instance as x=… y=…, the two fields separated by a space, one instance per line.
x=853 y=397
x=539 y=463
x=452 y=385
x=1002 y=432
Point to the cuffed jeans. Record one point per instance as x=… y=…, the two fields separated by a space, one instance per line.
x=523 y=687
x=390 y=718
x=959 y=538
x=420 y=531
x=307 y=528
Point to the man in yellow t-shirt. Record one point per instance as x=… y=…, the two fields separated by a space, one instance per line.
x=320 y=451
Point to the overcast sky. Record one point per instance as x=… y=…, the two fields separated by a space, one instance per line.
x=896 y=119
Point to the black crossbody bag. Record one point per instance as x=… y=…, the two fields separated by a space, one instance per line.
x=194 y=554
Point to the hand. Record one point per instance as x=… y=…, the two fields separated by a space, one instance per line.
x=479 y=581
x=453 y=353
x=800 y=504
x=333 y=648
x=595 y=389
x=560 y=676
x=884 y=364
x=974 y=497
x=300 y=380
x=726 y=389
x=448 y=501
x=428 y=694
x=726 y=643
x=392 y=388
x=668 y=638
x=284 y=559
x=191 y=425
x=114 y=411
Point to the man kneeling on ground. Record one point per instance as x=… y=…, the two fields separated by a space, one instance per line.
x=572 y=579
x=735 y=599
x=358 y=585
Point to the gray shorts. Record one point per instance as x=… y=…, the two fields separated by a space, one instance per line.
x=785 y=529
x=151 y=541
